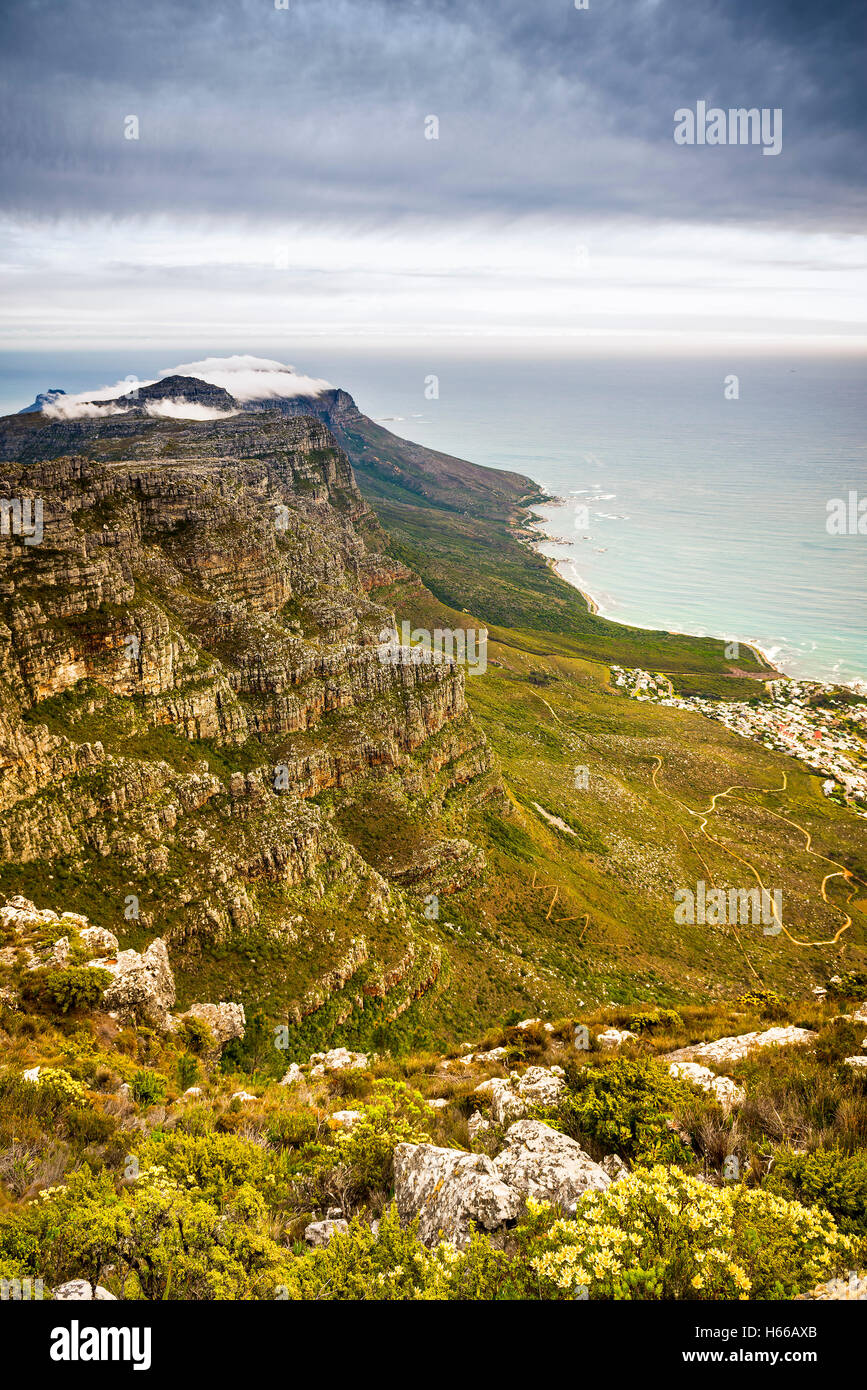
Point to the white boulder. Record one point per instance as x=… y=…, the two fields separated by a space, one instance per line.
x=449 y=1191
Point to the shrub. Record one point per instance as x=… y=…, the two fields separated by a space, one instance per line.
x=290 y=1129
x=148 y=1088
x=187 y=1070
x=662 y=1234
x=655 y=1018
x=79 y=987
x=625 y=1107
x=849 y=985
x=198 y=1036
x=828 y=1178
x=366 y=1151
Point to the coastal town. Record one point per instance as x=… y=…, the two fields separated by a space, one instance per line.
x=825 y=726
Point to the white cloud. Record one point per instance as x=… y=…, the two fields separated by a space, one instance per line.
x=185 y=410
x=76 y=408
x=252 y=378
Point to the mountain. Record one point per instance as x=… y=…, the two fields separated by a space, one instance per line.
x=197 y=721
x=42 y=400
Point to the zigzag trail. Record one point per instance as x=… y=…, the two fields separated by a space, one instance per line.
x=840 y=870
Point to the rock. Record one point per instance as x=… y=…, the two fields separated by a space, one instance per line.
x=477 y=1124
x=853 y=1288
x=59 y=955
x=860 y=1014
x=512 y=1099
x=615 y=1037
x=99 y=940
x=540 y=1162
x=733 y=1049
x=338 y=1059
x=534 y=1022
x=345 y=1119
x=449 y=1191
x=859 y=1063
x=613 y=1165
x=439 y=1104
x=32 y=1074
x=243 y=1096
x=143 y=987
x=319 y=1233
x=225 y=1021
x=81 y=1290
x=727 y=1091
x=193 y=1091
x=334 y=1214
x=293 y=1075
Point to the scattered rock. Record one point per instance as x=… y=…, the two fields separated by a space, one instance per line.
x=345 y=1119
x=243 y=1096
x=859 y=1062
x=319 y=1233
x=81 y=1290
x=733 y=1049
x=338 y=1059
x=852 y=1288
x=293 y=1075
x=613 y=1165
x=32 y=1074
x=439 y=1104
x=540 y=1162
x=615 y=1037
x=727 y=1091
x=449 y=1191
x=193 y=1091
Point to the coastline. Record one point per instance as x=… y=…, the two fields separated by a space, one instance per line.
x=535 y=533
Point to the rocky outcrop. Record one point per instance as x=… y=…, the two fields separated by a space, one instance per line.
x=727 y=1092
x=512 y=1099
x=724 y=1050
x=142 y=989
x=224 y=1021
x=541 y=1163
x=450 y=1191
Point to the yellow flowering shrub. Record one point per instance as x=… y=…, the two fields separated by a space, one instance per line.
x=661 y=1233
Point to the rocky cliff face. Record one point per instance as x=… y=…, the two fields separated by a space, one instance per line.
x=190 y=657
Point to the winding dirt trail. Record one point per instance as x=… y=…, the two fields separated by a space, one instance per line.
x=839 y=870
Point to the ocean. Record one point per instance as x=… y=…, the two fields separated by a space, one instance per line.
x=703 y=514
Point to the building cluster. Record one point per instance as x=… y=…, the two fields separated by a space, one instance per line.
x=825 y=726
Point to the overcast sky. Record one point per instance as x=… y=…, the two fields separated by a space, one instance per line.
x=282 y=186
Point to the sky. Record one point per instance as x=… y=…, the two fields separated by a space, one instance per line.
x=282 y=185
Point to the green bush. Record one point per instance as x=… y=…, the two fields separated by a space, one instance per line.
x=187 y=1070
x=148 y=1088
x=851 y=984
x=289 y=1129
x=828 y=1178
x=625 y=1107
x=79 y=987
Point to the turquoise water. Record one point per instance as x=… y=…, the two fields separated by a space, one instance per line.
x=706 y=515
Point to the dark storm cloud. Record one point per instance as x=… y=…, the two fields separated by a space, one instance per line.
x=317 y=111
